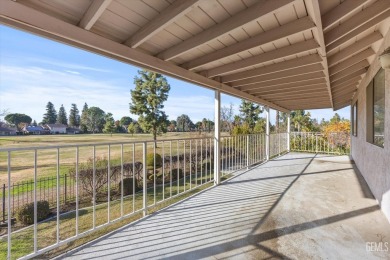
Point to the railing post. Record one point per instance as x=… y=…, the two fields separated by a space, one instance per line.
x=288 y=131
x=247 y=152
x=316 y=142
x=267 y=144
x=4 y=203
x=145 y=191
x=217 y=135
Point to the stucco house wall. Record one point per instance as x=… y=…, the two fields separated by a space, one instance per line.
x=373 y=161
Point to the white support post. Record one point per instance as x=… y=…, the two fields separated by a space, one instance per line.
x=145 y=188
x=288 y=131
x=217 y=135
x=267 y=144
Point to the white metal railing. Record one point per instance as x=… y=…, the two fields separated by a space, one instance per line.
x=114 y=181
x=315 y=142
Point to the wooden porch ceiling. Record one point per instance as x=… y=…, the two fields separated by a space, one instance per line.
x=286 y=54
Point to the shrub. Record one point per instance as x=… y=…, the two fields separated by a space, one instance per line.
x=26 y=213
x=173 y=173
x=150 y=160
x=128 y=186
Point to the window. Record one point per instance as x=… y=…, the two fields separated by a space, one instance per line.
x=354 y=119
x=376 y=110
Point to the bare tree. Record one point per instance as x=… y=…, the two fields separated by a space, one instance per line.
x=227 y=117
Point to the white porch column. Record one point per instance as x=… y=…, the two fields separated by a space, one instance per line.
x=217 y=134
x=267 y=133
x=288 y=132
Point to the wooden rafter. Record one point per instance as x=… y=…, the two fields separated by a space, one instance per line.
x=264 y=57
x=253 y=13
x=166 y=17
x=93 y=13
x=274 y=68
x=339 y=12
x=297 y=26
x=361 y=56
x=353 y=68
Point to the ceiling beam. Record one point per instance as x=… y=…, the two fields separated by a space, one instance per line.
x=289 y=50
x=361 y=56
x=344 y=88
x=294 y=27
x=315 y=73
x=349 y=76
x=353 y=68
x=287 y=86
x=296 y=90
x=94 y=11
x=301 y=96
x=308 y=92
x=279 y=75
x=248 y=15
x=378 y=19
x=25 y=18
x=339 y=12
x=274 y=68
x=313 y=9
x=354 y=48
x=171 y=14
x=348 y=81
x=356 y=21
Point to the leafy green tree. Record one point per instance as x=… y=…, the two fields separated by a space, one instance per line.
x=95 y=119
x=250 y=113
x=125 y=121
x=61 y=117
x=109 y=126
x=151 y=91
x=50 y=117
x=84 y=118
x=335 y=119
x=207 y=124
x=301 y=121
x=17 y=120
x=133 y=128
x=184 y=123
x=172 y=126
x=74 y=116
x=260 y=126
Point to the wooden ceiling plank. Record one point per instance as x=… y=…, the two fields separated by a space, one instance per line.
x=274 y=68
x=351 y=61
x=264 y=57
x=260 y=87
x=25 y=18
x=316 y=87
x=250 y=14
x=354 y=48
x=356 y=21
x=350 y=76
x=171 y=14
x=278 y=81
x=377 y=20
x=94 y=11
x=297 y=26
x=339 y=12
x=355 y=79
x=353 y=68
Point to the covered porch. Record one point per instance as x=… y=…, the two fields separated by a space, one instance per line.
x=297 y=206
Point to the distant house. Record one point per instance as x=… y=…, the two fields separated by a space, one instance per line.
x=56 y=128
x=7 y=131
x=35 y=130
x=73 y=130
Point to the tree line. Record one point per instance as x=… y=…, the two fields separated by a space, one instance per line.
x=147 y=102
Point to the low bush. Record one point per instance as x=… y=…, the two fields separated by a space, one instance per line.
x=150 y=161
x=128 y=186
x=173 y=173
x=26 y=213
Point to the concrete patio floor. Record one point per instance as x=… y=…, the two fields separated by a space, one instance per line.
x=298 y=206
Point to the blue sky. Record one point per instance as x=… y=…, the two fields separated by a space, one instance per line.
x=35 y=70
